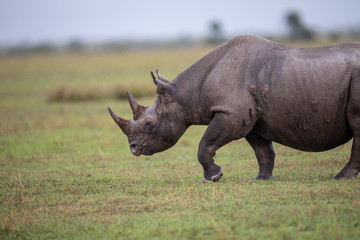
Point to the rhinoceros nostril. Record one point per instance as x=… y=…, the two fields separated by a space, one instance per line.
x=134 y=148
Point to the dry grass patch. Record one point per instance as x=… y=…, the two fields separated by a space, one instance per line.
x=72 y=94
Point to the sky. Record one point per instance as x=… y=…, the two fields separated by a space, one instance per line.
x=37 y=21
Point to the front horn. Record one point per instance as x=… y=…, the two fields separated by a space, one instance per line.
x=123 y=123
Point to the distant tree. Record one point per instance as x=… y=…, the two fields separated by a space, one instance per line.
x=75 y=46
x=18 y=50
x=43 y=48
x=216 y=32
x=297 y=29
x=355 y=32
x=25 y=49
x=334 y=36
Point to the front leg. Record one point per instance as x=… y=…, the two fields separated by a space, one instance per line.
x=220 y=131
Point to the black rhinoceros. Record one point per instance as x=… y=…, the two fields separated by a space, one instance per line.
x=304 y=98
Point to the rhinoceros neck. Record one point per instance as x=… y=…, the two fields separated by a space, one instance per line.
x=191 y=81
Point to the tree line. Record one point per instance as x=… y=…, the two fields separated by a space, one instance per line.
x=296 y=30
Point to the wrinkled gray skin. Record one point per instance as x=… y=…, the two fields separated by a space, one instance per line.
x=304 y=98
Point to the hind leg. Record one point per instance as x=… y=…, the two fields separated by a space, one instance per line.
x=352 y=168
x=265 y=156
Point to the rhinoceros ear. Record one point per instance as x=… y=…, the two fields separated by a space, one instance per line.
x=163 y=87
x=153 y=77
x=136 y=108
x=121 y=122
x=161 y=77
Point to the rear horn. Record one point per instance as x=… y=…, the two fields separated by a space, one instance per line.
x=136 y=108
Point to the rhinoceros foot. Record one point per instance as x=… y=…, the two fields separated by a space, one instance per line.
x=347 y=174
x=214 y=174
x=263 y=177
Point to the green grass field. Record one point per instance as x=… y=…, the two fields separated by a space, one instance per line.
x=66 y=171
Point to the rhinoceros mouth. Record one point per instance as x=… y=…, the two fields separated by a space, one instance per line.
x=136 y=153
x=135 y=149
x=138 y=150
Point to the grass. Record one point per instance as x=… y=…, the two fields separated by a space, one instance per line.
x=66 y=171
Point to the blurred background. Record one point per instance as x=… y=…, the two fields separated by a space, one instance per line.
x=113 y=25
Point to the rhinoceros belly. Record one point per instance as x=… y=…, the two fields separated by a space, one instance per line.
x=305 y=132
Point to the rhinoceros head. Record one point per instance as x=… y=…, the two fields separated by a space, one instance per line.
x=155 y=128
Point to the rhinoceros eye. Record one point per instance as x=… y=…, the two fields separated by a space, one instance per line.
x=148 y=125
